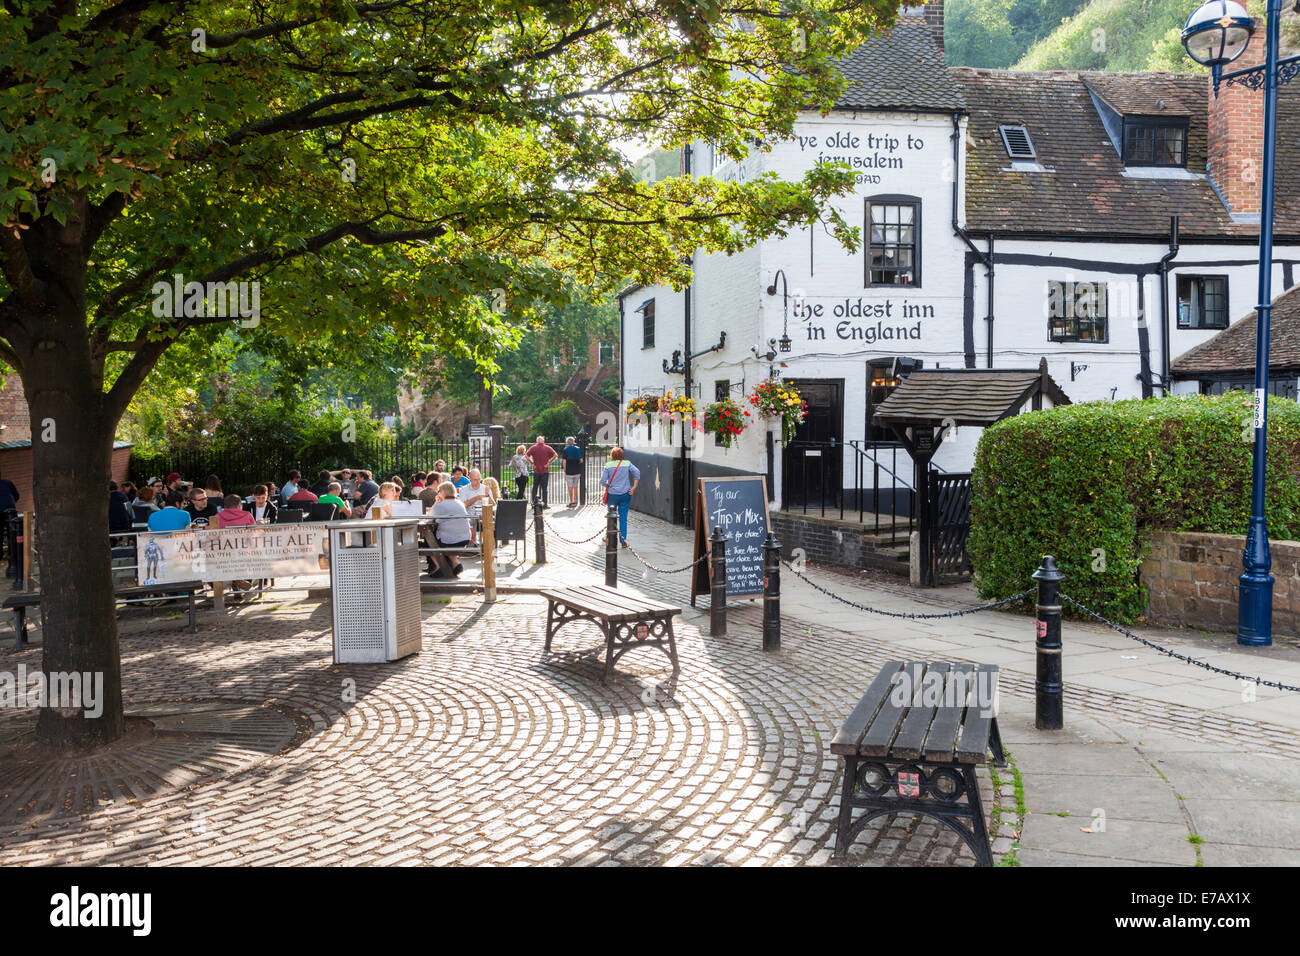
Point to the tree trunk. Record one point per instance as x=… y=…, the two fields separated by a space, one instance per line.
x=72 y=454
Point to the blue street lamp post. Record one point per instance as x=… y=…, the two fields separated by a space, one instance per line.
x=1216 y=34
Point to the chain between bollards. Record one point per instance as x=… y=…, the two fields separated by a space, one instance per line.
x=539 y=530
x=611 y=548
x=1048 y=690
x=718 y=584
x=771 y=593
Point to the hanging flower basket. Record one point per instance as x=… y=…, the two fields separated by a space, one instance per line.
x=775 y=399
x=725 y=419
x=675 y=408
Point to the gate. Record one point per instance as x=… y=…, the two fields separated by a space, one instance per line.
x=950 y=494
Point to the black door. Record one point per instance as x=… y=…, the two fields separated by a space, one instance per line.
x=812 y=462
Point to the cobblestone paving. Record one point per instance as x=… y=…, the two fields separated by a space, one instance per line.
x=478 y=750
x=1190 y=722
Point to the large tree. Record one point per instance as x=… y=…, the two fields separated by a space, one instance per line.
x=390 y=164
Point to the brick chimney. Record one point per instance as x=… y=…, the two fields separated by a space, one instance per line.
x=1236 y=134
x=934 y=20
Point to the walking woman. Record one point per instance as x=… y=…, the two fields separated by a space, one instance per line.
x=519 y=465
x=619 y=479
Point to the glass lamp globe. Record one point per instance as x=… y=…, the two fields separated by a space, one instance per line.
x=1217 y=32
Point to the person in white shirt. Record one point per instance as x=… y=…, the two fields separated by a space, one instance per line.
x=475 y=495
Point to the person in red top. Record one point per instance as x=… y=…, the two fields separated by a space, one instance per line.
x=541 y=455
x=233 y=514
x=303 y=496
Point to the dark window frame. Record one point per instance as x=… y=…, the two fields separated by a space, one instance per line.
x=1153 y=124
x=1223 y=323
x=647 y=310
x=1073 y=320
x=893 y=199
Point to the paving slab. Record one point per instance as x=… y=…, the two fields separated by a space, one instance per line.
x=1244 y=821
x=1134 y=840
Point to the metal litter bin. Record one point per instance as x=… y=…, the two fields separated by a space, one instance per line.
x=375 y=582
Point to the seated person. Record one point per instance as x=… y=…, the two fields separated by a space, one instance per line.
x=172 y=517
x=349 y=485
x=334 y=496
x=147 y=498
x=322 y=483
x=458 y=477
x=233 y=514
x=120 y=515
x=474 y=494
x=201 y=509
x=451 y=530
x=383 y=501
x=262 y=509
x=301 y=498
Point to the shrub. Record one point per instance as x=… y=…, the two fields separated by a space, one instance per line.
x=557 y=423
x=1071 y=480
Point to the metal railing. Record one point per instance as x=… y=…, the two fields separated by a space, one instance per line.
x=812 y=480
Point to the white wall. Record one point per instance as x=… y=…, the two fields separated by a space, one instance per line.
x=838 y=324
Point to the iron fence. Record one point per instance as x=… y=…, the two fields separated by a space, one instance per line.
x=242 y=468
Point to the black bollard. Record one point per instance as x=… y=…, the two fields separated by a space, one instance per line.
x=1048 y=705
x=771 y=593
x=718 y=585
x=611 y=548
x=539 y=531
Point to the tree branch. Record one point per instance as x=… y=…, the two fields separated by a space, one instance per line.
x=18 y=268
x=99 y=217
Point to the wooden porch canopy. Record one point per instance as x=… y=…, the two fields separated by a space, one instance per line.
x=929 y=398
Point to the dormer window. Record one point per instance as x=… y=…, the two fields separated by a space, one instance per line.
x=1155 y=141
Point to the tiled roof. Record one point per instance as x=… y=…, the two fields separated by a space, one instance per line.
x=27 y=443
x=971 y=396
x=902 y=69
x=1083 y=188
x=1233 y=349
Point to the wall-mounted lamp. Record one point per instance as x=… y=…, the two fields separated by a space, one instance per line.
x=785 y=308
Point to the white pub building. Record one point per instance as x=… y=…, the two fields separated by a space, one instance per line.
x=1102 y=222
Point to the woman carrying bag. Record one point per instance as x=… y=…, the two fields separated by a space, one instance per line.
x=619 y=479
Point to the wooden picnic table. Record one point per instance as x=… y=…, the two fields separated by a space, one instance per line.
x=627 y=620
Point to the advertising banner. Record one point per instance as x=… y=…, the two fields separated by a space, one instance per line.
x=245 y=553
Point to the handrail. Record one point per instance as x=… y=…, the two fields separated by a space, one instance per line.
x=871 y=456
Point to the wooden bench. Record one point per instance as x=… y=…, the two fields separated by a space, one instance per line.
x=627 y=621
x=912 y=745
x=19 y=603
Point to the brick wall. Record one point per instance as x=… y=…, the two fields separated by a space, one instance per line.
x=13 y=411
x=1236 y=134
x=16 y=465
x=831 y=541
x=1192 y=581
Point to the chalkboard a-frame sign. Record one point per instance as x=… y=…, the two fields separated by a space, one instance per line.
x=739 y=507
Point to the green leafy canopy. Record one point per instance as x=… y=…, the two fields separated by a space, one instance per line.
x=433 y=168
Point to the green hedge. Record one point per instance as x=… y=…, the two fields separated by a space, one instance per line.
x=1070 y=480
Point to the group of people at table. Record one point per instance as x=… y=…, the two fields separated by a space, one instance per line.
x=453 y=499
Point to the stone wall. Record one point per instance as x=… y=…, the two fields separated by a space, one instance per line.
x=1191 y=581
